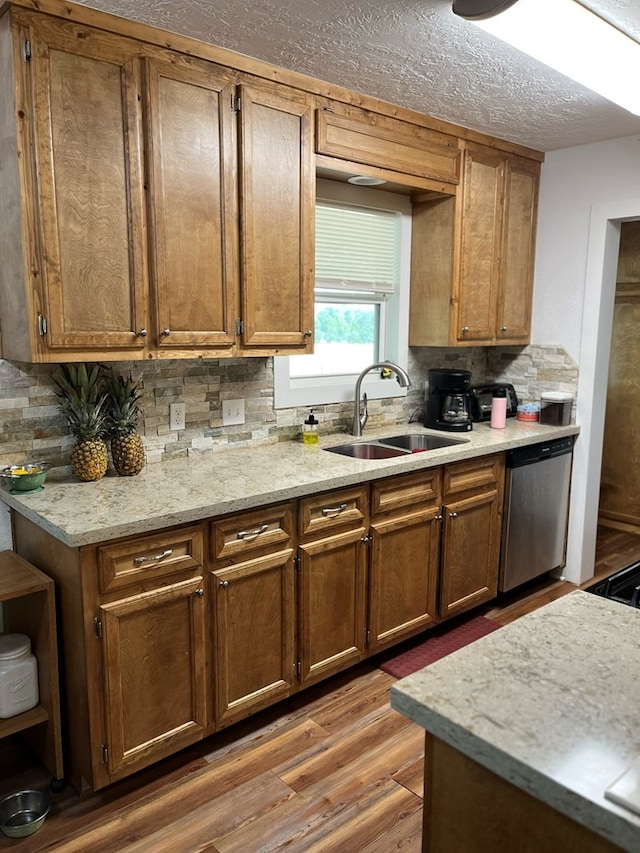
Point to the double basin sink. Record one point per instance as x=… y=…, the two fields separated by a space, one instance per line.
x=397 y=445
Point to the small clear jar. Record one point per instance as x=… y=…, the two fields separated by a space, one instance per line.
x=18 y=675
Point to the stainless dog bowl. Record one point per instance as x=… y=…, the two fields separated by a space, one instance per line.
x=23 y=813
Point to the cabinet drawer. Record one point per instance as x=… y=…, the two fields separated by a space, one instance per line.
x=245 y=533
x=477 y=475
x=329 y=511
x=155 y=556
x=354 y=134
x=406 y=492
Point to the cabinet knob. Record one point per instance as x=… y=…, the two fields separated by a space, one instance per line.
x=142 y=333
x=165 y=333
x=453 y=515
x=199 y=593
x=308 y=333
x=503 y=328
x=465 y=329
x=224 y=584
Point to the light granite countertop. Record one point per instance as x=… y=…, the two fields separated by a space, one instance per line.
x=550 y=702
x=236 y=478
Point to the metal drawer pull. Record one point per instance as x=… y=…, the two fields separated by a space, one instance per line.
x=453 y=515
x=252 y=534
x=224 y=584
x=155 y=558
x=332 y=511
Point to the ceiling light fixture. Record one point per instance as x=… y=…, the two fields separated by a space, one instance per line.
x=567 y=37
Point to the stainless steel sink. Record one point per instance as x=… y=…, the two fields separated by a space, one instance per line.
x=415 y=443
x=367 y=450
x=397 y=445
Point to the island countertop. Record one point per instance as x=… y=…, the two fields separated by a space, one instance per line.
x=550 y=702
x=231 y=479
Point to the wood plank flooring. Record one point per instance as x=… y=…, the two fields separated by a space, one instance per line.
x=332 y=769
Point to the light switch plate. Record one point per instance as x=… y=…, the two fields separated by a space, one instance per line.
x=232 y=412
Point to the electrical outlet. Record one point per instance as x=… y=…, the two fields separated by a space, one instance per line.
x=177 y=416
x=232 y=412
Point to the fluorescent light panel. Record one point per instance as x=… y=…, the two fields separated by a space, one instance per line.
x=577 y=43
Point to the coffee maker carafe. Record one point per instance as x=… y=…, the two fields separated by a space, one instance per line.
x=448 y=400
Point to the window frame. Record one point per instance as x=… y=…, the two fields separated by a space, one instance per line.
x=321 y=390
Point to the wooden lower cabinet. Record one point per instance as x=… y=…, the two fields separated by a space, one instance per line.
x=170 y=636
x=154 y=687
x=253 y=615
x=472 y=513
x=254 y=635
x=405 y=551
x=332 y=582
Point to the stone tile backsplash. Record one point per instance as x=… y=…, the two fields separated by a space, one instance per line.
x=31 y=426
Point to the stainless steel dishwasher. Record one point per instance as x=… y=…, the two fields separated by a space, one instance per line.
x=534 y=528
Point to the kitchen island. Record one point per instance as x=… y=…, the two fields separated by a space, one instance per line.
x=526 y=728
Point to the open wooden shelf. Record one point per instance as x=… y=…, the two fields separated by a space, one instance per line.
x=28 y=605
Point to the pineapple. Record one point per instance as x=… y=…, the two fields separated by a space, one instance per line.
x=127 y=450
x=83 y=402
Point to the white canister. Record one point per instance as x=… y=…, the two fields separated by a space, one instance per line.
x=18 y=675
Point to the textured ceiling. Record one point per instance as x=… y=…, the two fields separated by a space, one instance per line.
x=414 y=53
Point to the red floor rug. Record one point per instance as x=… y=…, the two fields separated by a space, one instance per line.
x=438 y=643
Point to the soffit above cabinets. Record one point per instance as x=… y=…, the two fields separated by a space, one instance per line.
x=415 y=54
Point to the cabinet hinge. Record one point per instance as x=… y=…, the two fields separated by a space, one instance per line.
x=42 y=325
x=235 y=103
x=26 y=50
x=239 y=327
x=297 y=566
x=97 y=624
x=104 y=749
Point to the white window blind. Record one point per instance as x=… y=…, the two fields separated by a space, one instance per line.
x=357 y=248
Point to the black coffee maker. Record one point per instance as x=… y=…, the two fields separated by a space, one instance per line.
x=448 y=400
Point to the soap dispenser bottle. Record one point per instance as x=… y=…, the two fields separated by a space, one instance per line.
x=310 y=429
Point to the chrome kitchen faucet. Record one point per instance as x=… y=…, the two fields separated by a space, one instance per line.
x=360 y=414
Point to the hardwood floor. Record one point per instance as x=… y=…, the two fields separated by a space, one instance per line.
x=332 y=769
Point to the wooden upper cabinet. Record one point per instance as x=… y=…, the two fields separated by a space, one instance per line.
x=472 y=256
x=353 y=134
x=277 y=216
x=192 y=204
x=166 y=203
x=85 y=284
x=518 y=248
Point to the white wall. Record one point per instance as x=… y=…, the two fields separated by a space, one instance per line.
x=585 y=193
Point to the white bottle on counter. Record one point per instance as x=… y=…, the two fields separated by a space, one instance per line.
x=499 y=409
x=18 y=675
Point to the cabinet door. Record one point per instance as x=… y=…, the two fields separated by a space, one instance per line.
x=470 y=552
x=154 y=674
x=332 y=591
x=480 y=232
x=518 y=248
x=277 y=221
x=404 y=575
x=193 y=204
x=87 y=128
x=253 y=635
